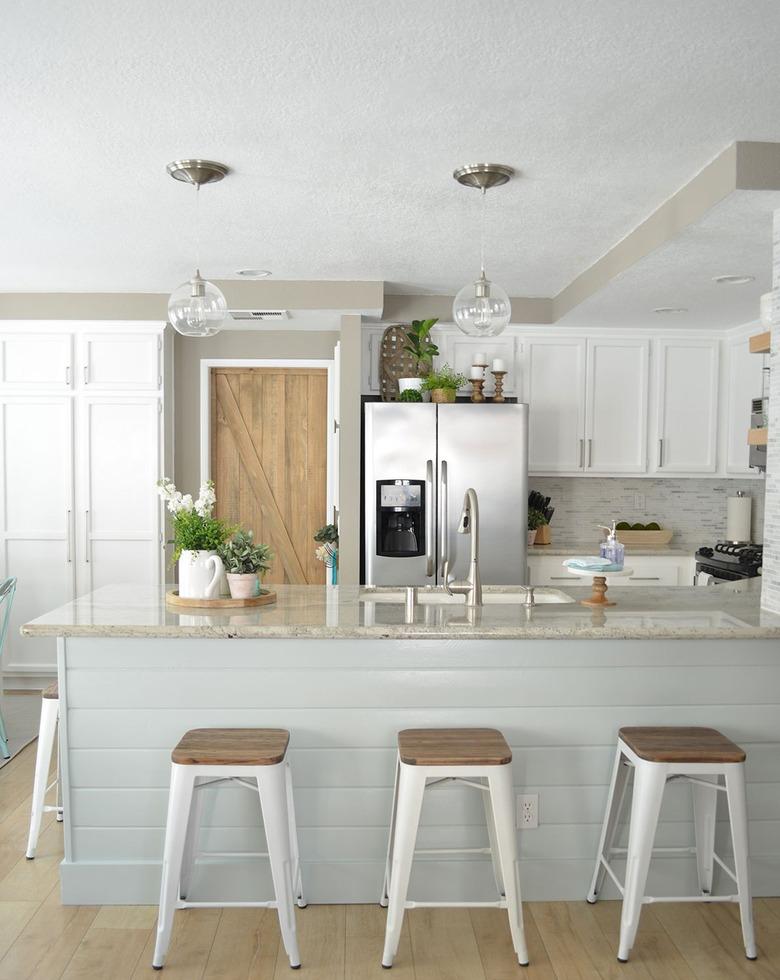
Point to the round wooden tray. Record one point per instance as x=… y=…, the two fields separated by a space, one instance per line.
x=173 y=598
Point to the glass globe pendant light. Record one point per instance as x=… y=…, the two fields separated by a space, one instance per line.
x=482 y=307
x=197 y=308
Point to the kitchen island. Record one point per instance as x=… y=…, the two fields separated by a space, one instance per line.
x=344 y=669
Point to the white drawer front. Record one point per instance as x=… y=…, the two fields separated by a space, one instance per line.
x=648 y=571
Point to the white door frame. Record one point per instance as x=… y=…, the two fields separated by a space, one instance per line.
x=207 y=364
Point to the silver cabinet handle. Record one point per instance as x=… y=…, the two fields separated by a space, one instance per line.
x=86 y=374
x=68 y=532
x=86 y=536
x=429 y=544
x=660 y=452
x=645 y=578
x=590 y=453
x=443 y=549
x=561 y=578
x=582 y=454
x=67 y=375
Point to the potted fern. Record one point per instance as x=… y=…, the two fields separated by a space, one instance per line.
x=422 y=349
x=443 y=384
x=245 y=564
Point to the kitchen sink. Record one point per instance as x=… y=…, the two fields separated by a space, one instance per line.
x=438 y=597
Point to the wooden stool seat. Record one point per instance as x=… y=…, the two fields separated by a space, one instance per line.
x=453 y=747
x=671 y=744
x=52 y=691
x=231 y=747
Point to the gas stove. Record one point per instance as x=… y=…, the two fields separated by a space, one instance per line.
x=730 y=562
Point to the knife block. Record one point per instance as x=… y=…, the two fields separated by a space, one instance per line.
x=543 y=535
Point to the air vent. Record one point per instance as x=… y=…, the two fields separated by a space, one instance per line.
x=260 y=314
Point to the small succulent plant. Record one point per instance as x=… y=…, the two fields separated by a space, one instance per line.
x=241 y=556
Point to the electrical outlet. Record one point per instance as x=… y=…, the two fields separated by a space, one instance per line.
x=528 y=811
x=639 y=502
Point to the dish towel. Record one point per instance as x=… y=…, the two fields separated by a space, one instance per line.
x=593 y=564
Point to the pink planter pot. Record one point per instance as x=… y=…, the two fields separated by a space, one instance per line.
x=243 y=586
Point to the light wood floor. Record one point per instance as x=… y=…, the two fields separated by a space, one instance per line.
x=42 y=940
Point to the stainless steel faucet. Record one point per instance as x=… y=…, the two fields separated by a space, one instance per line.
x=469 y=524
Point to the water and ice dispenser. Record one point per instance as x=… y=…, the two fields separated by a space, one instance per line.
x=400 y=518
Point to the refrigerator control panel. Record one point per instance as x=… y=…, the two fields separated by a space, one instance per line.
x=400 y=494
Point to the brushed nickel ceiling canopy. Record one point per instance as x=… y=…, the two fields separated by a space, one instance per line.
x=197 y=172
x=484 y=175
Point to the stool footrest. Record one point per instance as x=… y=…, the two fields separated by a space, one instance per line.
x=453 y=850
x=181 y=904
x=499 y=904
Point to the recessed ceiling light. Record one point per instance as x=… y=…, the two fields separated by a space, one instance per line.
x=253 y=273
x=670 y=309
x=733 y=280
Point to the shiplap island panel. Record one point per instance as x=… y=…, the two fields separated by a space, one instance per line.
x=344 y=675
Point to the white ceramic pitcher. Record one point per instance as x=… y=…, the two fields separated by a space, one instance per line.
x=200 y=575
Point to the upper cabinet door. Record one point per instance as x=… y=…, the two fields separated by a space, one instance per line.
x=687 y=405
x=744 y=372
x=126 y=361
x=554 y=387
x=616 y=409
x=36 y=361
x=458 y=351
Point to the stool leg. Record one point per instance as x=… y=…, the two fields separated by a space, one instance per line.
x=735 y=790
x=490 y=820
x=609 y=829
x=4 y=750
x=179 y=801
x=500 y=782
x=190 y=840
x=293 y=832
x=43 y=753
x=705 y=804
x=411 y=786
x=58 y=797
x=389 y=859
x=271 y=785
x=649 y=782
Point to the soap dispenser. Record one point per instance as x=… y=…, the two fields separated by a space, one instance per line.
x=612 y=549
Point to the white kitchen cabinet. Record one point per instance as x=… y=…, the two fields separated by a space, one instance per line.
x=616 y=405
x=686 y=406
x=743 y=383
x=649 y=570
x=553 y=384
x=36 y=504
x=78 y=507
x=458 y=351
x=118 y=520
x=33 y=361
x=126 y=361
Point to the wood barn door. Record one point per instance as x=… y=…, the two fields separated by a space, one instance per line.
x=269 y=461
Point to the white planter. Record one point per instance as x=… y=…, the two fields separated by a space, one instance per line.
x=531 y=537
x=200 y=575
x=243 y=586
x=409 y=384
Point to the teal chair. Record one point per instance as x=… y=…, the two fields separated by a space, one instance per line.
x=7 y=591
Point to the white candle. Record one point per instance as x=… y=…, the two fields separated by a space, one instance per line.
x=480 y=358
x=499 y=364
x=477 y=373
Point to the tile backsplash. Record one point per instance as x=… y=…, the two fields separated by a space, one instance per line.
x=694 y=509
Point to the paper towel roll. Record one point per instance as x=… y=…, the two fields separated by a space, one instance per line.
x=738 y=518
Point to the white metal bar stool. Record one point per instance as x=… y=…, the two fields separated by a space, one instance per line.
x=50 y=713
x=452 y=755
x=253 y=758
x=656 y=756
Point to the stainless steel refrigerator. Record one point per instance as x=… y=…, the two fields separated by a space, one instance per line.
x=419 y=461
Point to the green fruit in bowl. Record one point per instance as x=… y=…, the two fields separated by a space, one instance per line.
x=638 y=527
x=623 y=526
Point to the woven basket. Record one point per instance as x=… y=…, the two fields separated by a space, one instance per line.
x=395 y=362
x=443 y=395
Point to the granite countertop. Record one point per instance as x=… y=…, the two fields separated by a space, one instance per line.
x=574 y=549
x=322 y=612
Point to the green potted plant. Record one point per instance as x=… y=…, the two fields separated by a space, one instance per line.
x=245 y=564
x=443 y=384
x=327 y=538
x=410 y=395
x=536 y=519
x=422 y=349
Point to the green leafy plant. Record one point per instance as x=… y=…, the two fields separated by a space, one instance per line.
x=329 y=534
x=445 y=377
x=194 y=526
x=241 y=556
x=536 y=519
x=410 y=395
x=420 y=345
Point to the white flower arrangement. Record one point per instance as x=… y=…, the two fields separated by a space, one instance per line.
x=177 y=501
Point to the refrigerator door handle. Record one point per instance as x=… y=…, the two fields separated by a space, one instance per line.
x=444 y=556
x=429 y=521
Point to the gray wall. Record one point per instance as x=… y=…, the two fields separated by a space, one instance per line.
x=188 y=354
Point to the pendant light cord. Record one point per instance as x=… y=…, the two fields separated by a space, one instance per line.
x=197 y=228
x=482 y=232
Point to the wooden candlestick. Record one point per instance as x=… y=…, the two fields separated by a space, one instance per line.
x=476 y=389
x=499 y=393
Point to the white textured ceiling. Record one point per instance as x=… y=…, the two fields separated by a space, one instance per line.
x=343 y=121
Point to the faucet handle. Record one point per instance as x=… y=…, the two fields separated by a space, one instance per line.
x=446 y=576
